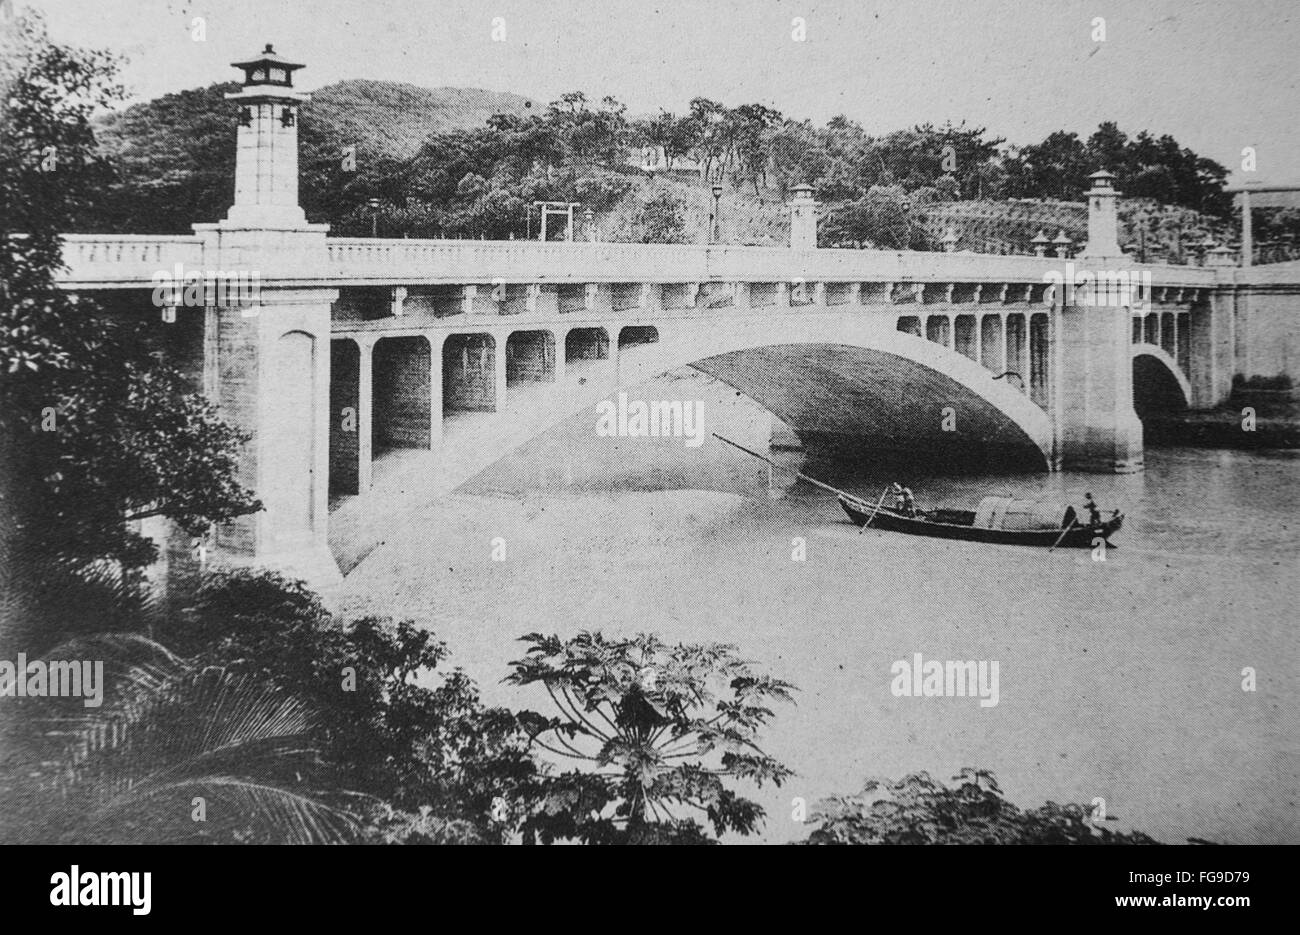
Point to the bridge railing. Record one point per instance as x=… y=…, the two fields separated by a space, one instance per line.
x=120 y=259
x=512 y=260
x=108 y=259
x=464 y=261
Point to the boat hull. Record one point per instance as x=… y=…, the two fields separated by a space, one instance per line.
x=890 y=520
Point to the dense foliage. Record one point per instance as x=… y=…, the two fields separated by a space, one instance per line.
x=95 y=431
x=919 y=809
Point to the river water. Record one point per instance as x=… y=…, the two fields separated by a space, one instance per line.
x=1119 y=679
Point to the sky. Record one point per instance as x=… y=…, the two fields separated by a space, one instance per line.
x=1218 y=76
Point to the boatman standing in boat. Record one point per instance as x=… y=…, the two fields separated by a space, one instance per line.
x=1094 y=514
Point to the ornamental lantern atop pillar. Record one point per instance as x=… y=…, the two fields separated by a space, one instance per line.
x=1103 y=217
x=266 y=147
x=1062 y=242
x=268 y=68
x=1040 y=243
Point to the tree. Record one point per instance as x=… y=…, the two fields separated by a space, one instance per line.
x=661 y=219
x=919 y=809
x=1058 y=168
x=709 y=135
x=881 y=219
x=94 y=430
x=662 y=726
x=755 y=124
x=674 y=135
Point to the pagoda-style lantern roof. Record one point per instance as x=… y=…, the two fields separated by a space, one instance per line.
x=268 y=68
x=268 y=78
x=1103 y=180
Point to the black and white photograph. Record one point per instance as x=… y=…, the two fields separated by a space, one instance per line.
x=571 y=422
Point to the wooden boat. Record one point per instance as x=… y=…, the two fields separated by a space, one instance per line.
x=989 y=523
x=996 y=520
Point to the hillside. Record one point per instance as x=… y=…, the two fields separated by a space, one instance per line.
x=397 y=118
x=174 y=157
x=173 y=165
x=1171 y=232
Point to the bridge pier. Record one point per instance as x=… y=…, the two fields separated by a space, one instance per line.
x=1099 y=429
x=1212 y=341
x=272 y=367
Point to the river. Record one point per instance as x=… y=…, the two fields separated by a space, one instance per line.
x=1119 y=679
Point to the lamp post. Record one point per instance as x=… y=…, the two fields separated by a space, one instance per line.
x=373 y=204
x=713 y=218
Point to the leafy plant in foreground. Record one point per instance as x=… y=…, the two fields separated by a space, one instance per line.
x=659 y=728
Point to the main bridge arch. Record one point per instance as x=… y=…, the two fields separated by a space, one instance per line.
x=842 y=379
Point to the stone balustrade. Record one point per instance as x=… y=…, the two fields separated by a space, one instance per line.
x=129 y=261
x=125 y=259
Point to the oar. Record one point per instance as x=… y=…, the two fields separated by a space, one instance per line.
x=812 y=480
x=1061 y=537
x=879 y=503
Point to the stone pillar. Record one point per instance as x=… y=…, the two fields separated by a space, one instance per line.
x=598 y=298
x=1103 y=218
x=365 y=414
x=543 y=299
x=803 y=218
x=1212 y=348
x=652 y=297
x=993 y=354
x=266 y=144
x=273 y=372
x=557 y=364
x=615 y=357
x=435 y=390
x=1100 y=431
x=499 y=340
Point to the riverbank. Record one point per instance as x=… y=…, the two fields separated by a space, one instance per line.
x=1250 y=420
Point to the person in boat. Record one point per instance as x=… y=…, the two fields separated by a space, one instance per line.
x=1094 y=514
x=903 y=500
